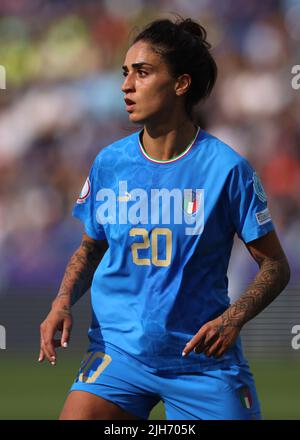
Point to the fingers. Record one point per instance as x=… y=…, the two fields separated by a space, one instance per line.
x=210 y=344
x=65 y=337
x=48 y=344
x=41 y=356
x=198 y=339
x=214 y=348
x=220 y=351
x=206 y=340
x=43 y=352
x=209 y=340
x=212 y=339
x=59 y=319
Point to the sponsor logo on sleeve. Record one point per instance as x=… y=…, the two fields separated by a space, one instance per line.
x=258 y=188
x=85 y=192
x=263 y=217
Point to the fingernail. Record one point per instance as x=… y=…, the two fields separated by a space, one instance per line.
x=65 y=345
x=183 y=353
x=52 y=363
x=39 y=359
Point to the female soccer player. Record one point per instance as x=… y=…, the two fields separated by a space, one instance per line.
x=160 y=209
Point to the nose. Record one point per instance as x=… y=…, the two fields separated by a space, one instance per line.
x=128 y=84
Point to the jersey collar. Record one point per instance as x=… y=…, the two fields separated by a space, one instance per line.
x=174 y=159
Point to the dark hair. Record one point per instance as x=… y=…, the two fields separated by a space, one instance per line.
x=183 y=46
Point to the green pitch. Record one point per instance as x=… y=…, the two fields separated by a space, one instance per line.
x=33 y=391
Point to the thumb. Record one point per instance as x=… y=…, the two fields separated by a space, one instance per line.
x=65 y=337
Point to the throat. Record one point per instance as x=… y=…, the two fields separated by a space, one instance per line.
x=169 y=147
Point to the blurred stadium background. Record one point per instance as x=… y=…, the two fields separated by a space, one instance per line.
x=63 y=103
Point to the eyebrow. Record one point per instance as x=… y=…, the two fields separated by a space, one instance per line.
x=137 y=65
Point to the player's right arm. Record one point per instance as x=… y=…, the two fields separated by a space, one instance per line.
x=76 y=281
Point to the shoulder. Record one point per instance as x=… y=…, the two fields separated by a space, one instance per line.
x=223 y=154
x=123 y=147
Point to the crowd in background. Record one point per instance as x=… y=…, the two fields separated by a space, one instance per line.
x=63 y=103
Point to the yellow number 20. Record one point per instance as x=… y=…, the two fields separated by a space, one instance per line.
x=145 y=244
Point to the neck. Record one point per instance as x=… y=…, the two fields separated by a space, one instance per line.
x=167 y=141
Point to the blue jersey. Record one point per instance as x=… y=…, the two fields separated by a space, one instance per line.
x=170 y=227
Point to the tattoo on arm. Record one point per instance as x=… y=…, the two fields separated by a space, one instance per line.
x=273 y=276
x=80 y=271
x=65 y=311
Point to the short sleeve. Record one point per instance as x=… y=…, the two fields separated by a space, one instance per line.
x=85 y=207
x=248 y=203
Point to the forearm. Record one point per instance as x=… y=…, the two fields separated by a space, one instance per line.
x=273 y=276
x=79 y=273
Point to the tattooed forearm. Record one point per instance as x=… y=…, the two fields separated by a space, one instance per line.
x=80 y=271
x=273 y=276
x=65 y=311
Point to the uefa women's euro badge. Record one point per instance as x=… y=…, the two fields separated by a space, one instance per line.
x=258 y=188
x=85 y=192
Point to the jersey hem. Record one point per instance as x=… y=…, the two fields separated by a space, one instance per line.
x=188 y=367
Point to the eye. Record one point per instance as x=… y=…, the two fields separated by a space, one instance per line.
x=124 y=73
x=142 y=73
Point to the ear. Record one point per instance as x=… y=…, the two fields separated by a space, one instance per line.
x=182 y=84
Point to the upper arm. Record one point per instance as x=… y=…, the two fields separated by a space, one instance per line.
x=267 y=246
x=247 y=200
x=95 y=246
x=85 y=208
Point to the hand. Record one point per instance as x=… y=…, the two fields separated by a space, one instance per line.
x=59 y=319
x=214 y=337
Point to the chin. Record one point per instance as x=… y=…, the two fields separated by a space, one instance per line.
x=135 y=119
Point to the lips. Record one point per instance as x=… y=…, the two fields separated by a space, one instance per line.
x=129 y=101
x=129 y=105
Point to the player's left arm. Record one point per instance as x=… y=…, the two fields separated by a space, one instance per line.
x=216 y=336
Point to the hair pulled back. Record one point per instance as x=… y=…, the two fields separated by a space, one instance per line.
x=183 y=46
